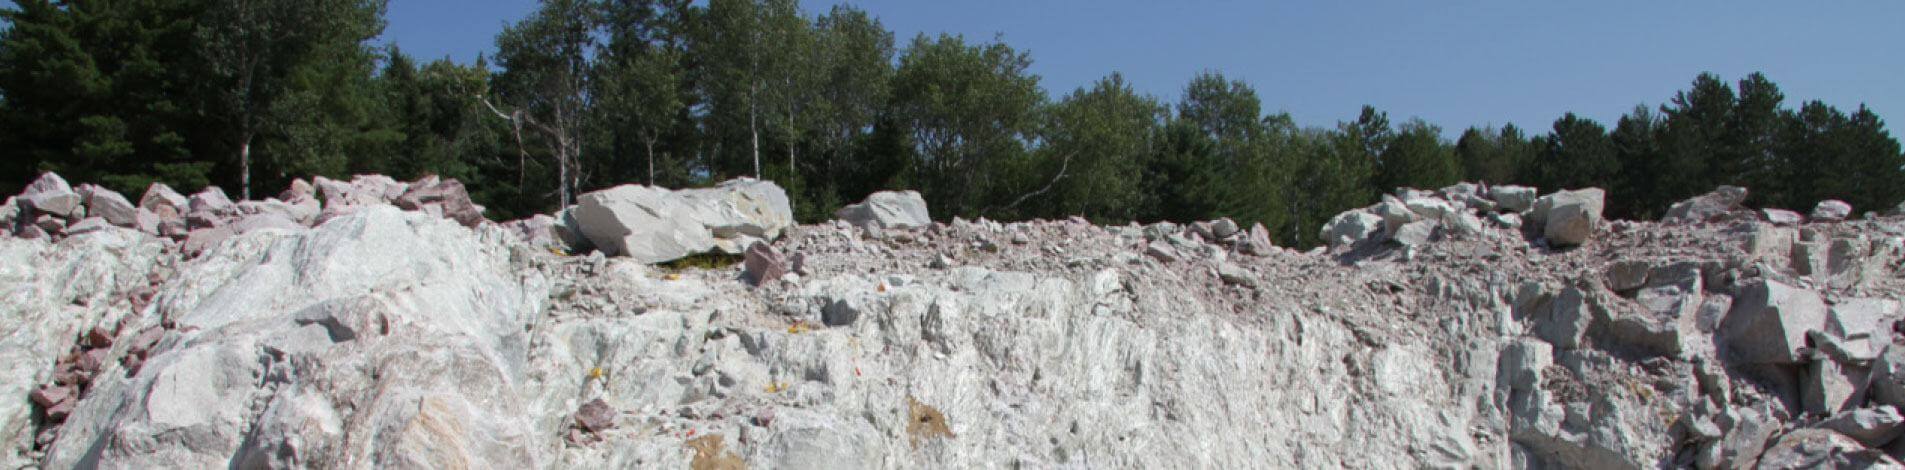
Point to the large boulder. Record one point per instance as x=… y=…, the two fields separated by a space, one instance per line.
x=159 y=196
x=1769 y=321
x=51 y=195
x=1705 y=207
x=1568 y=218
x=887 y=209
x=110 y=205
x=740 y=212
x=1352 y=228
x=211 y=200
x=647 y=224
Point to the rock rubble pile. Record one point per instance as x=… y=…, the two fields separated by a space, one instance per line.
x=377 y=323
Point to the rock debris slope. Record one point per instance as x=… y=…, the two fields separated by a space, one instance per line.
x=377 y=323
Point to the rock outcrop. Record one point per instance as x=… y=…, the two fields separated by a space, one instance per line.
x=1436 y=334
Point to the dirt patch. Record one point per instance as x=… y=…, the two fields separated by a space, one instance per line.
x=711 y=453
x=925 y=422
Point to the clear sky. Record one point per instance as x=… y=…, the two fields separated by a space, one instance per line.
x=1454 y=63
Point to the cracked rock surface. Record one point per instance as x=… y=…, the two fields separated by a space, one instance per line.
x=379 y=337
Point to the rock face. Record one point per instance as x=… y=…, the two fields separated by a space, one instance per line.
x=1769 y=321
x=381 y=337
x=399 y=326
x=887 y=209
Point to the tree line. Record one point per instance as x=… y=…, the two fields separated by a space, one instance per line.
x=584 y=94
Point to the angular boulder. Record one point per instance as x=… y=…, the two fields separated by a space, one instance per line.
x=158 y=195
x=1569 y=218
x=647 y=224
x=763 y=263
x=211 y=200
x=740 y=212
x=1769 y=321
x=1513 y=198
x=887 y=209
x=1352 y=228
x=110 y=205
x=1705 y=207
x=51 y=195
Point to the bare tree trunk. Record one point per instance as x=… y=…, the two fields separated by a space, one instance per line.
x=244 y=167
x=755 y=132
x=651 y=160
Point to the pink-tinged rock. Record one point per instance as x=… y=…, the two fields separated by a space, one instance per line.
x=30 y=232
x=110 y=205
x=99 y=337
x=46 y=397
x=595 y=416
x=51 y=195
x=1257 y=241
x=87 y=225
x=92 y=359
x=763 y=264
x=211 y=199
x=159 y=195
x=299 y=189
x=146 y=222
x=203 y=219
x=51 y=224
x=448 y=195
x=204 y=239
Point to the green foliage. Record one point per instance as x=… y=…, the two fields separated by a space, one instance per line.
x=969 y=112
x=1101 y=138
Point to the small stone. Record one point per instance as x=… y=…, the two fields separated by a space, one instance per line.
x=1162 y=251
x=1237 y=276
x=1782 y=217
x=595 y=416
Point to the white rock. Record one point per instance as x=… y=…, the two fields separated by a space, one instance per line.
x=1705 y=207
x=211 y=199
x=1782 y=217
x=647 y=224
x=1513 y=198
x=1352 y=228
x=888 y=209
x=1568 y=218
x=1831 y=210
x=739 y=211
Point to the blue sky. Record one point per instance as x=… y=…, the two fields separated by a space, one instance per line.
x=1454 y=63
